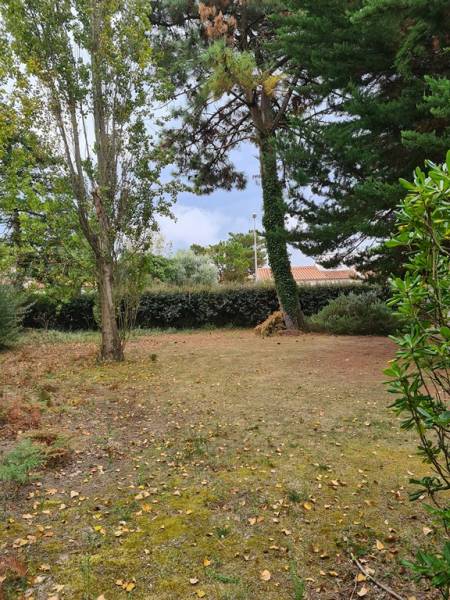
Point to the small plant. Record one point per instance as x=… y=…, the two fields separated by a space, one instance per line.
x=222 y=532
x=434 y=567
x=216 y=576
x=11 y=313
x=297 y=583
x=196 y=446
x=17 y=465
x=420 y=373
x=296 y=496
x=356 y=314
x=87 y=576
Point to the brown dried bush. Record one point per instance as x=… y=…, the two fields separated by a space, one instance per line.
x=18 y=415
x=272 y=325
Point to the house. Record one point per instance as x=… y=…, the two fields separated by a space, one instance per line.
x=314 y=275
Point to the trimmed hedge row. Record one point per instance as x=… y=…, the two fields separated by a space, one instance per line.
x=240 y=307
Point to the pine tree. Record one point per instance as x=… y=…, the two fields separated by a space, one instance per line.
x=238 y=88
x=378 y=74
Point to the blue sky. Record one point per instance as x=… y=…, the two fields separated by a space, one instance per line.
x=208 y=219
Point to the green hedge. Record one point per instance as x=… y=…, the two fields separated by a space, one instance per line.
x=240 y=307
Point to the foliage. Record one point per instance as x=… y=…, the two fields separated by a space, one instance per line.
x=91 y=65
x=17 y=464
x=241 y=306
x=276 y=238
x=11 y=309
x=435 y=567
x=356 y=314
x=38 y=228
x=238 y=88
x=129 y=282
x=234 y=257
x=46 y=312
x=189 y=268
x=158 y=268
x=297 y=583
x=381 y=69
x=40 y=235
x=421 y=370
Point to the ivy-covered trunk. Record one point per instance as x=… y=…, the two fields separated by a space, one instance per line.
x=276 y=235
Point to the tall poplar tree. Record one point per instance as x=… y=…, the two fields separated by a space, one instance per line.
x=238 y=88
x=91 y=63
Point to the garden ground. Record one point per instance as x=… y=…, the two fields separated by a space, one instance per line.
x=210 y=464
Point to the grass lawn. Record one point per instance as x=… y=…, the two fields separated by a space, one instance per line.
x=211 y=464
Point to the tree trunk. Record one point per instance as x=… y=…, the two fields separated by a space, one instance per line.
x=111 y=346
x=16 y=240
x=276 y=235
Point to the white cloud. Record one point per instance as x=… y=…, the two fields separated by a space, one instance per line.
x=194 y=225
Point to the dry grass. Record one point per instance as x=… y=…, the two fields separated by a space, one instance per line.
x=221 y=457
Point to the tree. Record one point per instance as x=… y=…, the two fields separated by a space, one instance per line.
x=89 y=62
x=239 y=89
x=40 y=232
x=420 y=373
x=38 y=225
x=159 y=268
x=188 y=268
x=11 y=312
x=234 y=257
x=378 y=74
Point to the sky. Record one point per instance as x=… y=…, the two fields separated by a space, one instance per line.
x=208 y=219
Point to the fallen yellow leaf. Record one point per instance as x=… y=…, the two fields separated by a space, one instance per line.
x=265 y=575
x=363 y=591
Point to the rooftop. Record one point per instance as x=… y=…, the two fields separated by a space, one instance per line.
x=311 y=273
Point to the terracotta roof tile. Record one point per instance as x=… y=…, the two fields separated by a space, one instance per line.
x=311 y=273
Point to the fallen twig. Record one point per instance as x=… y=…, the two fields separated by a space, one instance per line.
x=387 y=589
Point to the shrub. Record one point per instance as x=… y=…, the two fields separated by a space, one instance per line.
x=10 y=315
x=356 y=314
x=238 y=306
x=41 y=312
x=189 y=268
x=420 y=373
x=20 y=461
x=17 y=415
x=48 y=313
